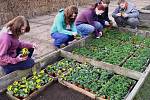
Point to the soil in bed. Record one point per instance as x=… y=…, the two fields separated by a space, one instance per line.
x=60 y=92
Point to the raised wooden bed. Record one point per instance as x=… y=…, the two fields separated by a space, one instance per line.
x=80 y=58
x=123 y=71
x=129 y=73
x=118 y=70
x=60 y=54
x=140 y=77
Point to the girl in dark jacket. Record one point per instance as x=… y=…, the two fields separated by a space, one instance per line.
x=87 y=21
x=104 y=18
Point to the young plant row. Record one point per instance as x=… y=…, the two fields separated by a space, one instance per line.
x=108 y=51
x=61 y=67
x=139 y=60
x=117 y=88
x=26 y=86
x=115 y=48
x=97 y=81
x=114 y=34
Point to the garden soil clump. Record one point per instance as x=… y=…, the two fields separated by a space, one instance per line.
x=60 y=92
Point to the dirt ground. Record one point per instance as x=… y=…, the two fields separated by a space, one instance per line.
x=60 y=92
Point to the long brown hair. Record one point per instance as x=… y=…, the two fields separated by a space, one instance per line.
x=95 y=5
x=105 y=1
x=98 y=6
x=16 y=24
x=68 y=12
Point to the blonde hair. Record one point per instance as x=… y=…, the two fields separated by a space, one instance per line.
x=16 y=24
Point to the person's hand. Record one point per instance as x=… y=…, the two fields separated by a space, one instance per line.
x=107 y=23
x=110 y=24
x=125 y=15
x=22 y=58
x=119 y=14
x=74 y=33
x=34 y=45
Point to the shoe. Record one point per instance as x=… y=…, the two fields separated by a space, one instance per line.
x=99 y=35
x=134 y=30
x=63 y=45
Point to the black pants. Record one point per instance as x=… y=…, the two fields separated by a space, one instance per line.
x=122 y=22
x=20 y=65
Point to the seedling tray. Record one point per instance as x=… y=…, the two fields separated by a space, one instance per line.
x=33 y=94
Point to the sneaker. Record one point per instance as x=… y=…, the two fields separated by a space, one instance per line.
x=98 y=37
x=100 y=34
x=62 y=46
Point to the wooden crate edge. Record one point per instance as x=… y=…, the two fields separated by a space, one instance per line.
x=78 y=89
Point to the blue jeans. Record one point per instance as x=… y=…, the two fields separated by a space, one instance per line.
x=85 y=29
x=20 y=65
x=97 y=1
x=61 y=38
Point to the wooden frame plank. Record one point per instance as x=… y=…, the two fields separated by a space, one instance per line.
x=99 y=64
x=76 y=88
x=49 y=58
x=139 y=84
x=78 y=43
